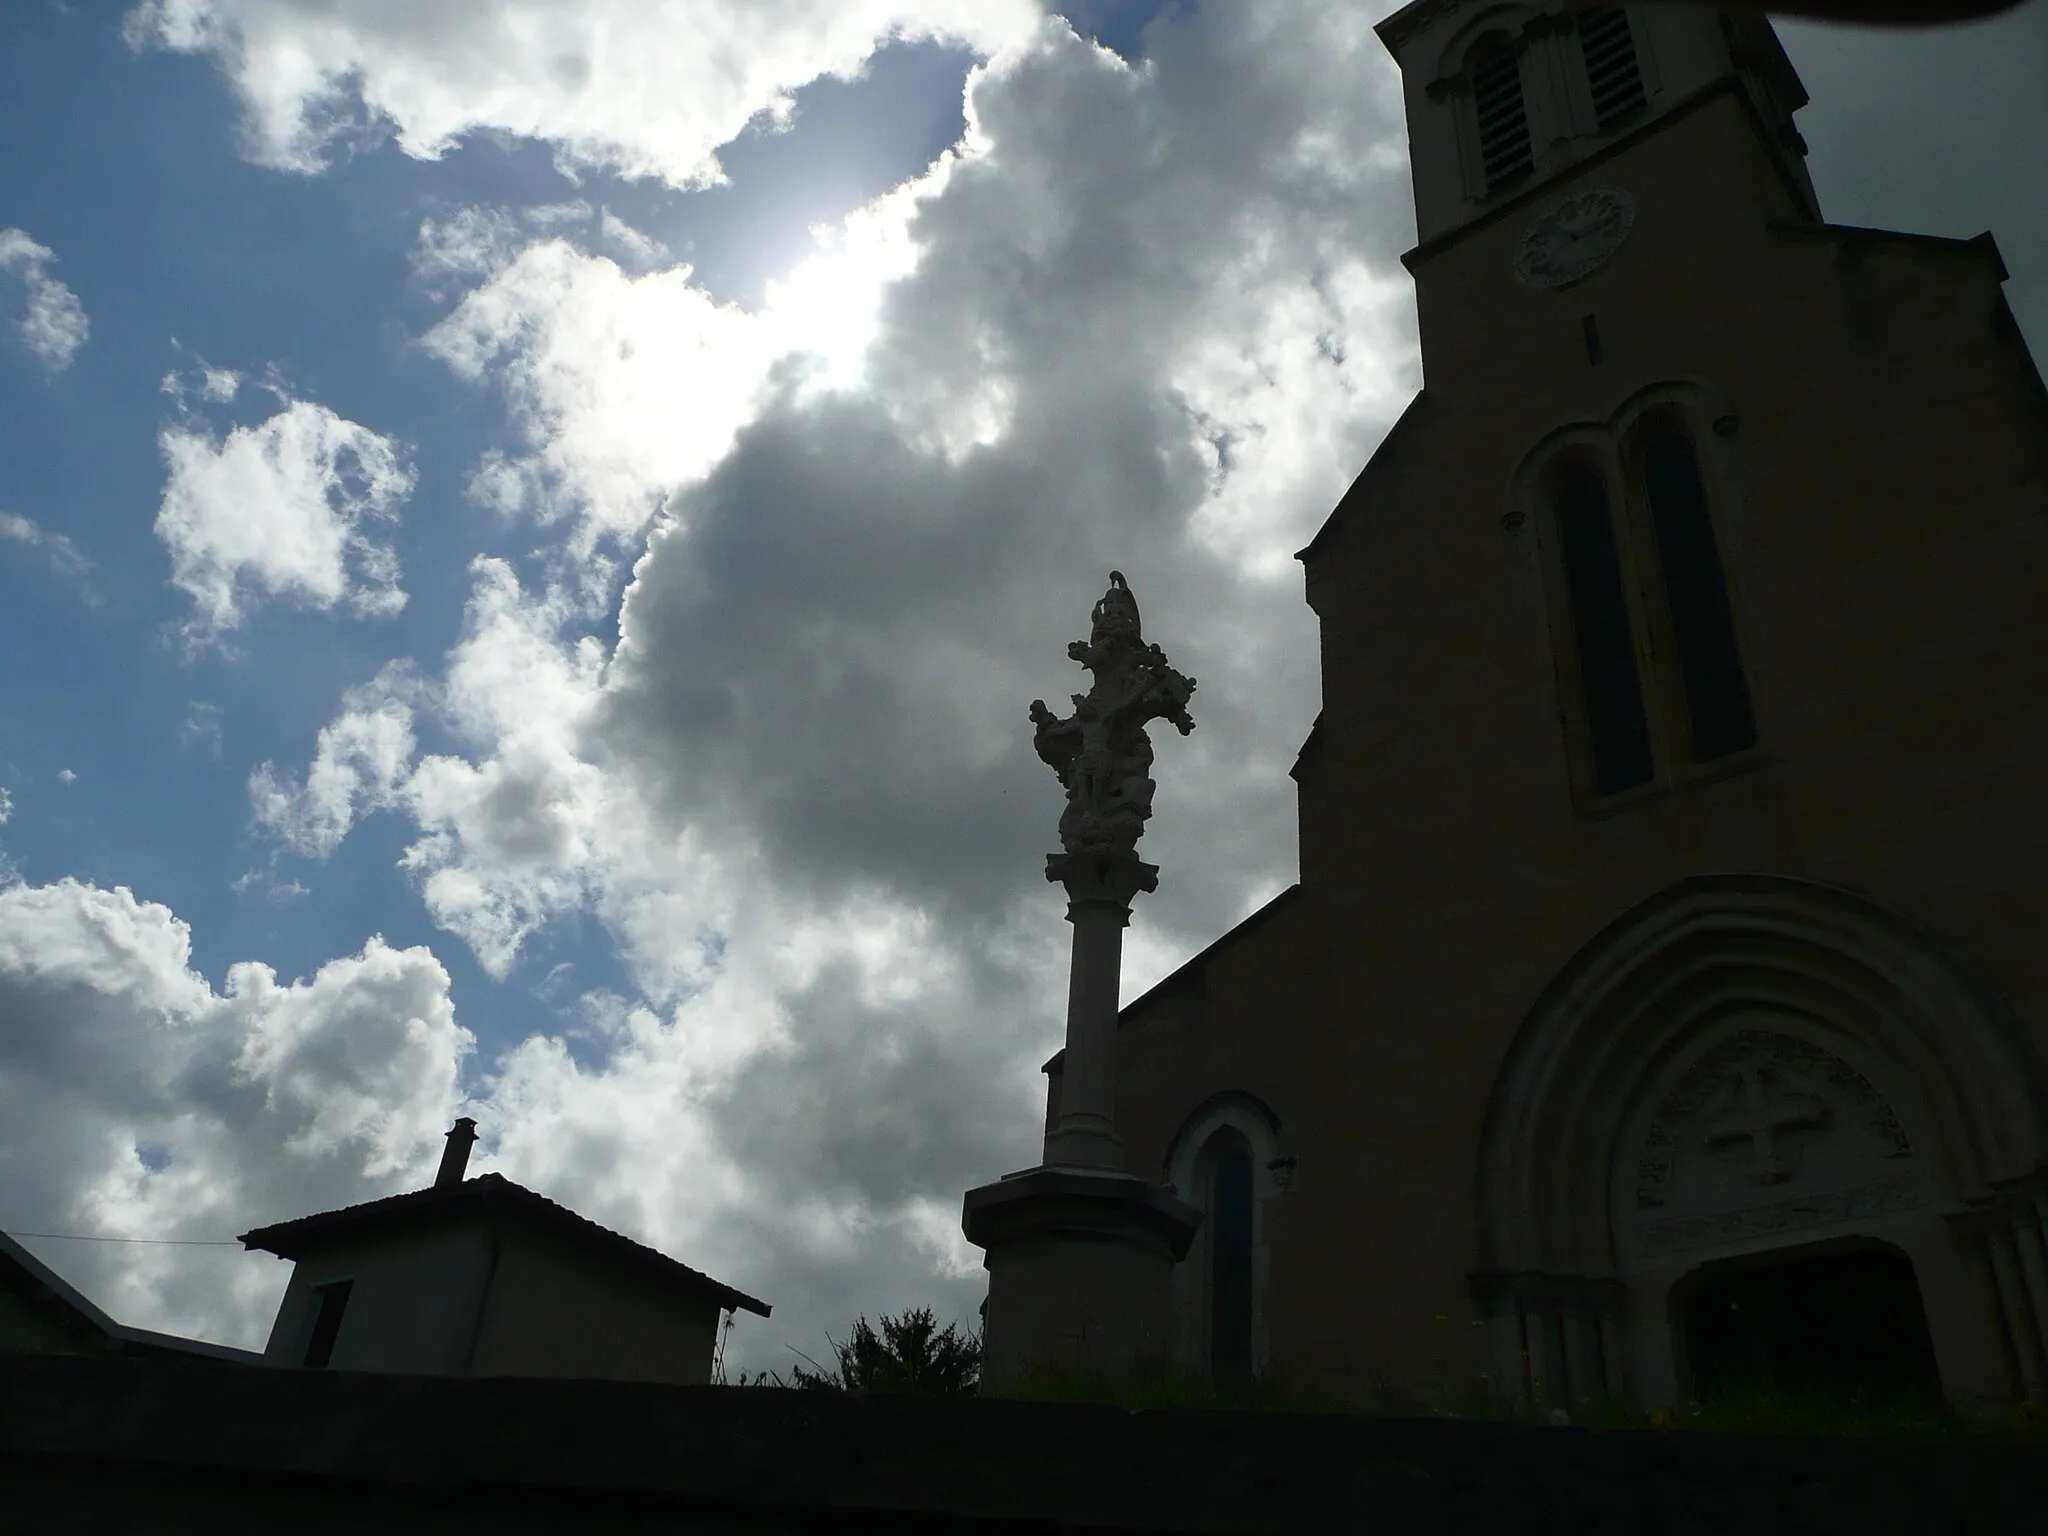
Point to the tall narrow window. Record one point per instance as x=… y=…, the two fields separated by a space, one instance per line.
x=1610 y=689
x=1230 y=1259
x=1503 y=118
x=1702 y=626
x=329 y=1302
x=1611 y=67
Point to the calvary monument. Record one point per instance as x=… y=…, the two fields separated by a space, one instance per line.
x=1079 y=1250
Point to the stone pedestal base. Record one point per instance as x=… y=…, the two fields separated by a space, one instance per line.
x=1079 y=1263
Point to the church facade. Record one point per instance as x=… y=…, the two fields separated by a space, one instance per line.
x=1663 y=1002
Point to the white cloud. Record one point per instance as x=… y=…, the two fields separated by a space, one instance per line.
x=358 y=763
x=66 y=776
x=269 y=1099
x=64 y=557
x=6 y=807
x=53 y=326
x=282 y=509
x=682 y=376
x=641 y=87
x=621 y=238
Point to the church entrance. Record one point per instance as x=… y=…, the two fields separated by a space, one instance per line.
x=1845 y=1324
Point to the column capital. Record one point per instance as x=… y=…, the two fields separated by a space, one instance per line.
x=1098 y=880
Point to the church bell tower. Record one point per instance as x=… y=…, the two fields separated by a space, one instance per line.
x=1504 y=100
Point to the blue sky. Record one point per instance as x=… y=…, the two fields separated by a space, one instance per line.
x=729 y=931
x=233 y=252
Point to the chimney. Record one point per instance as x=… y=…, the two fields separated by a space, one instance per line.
x=455 y=1160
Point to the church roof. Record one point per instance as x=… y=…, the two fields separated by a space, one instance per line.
x=493 y=1193
x=1856 y=232
x=1058 y=1061
x=1382 y=460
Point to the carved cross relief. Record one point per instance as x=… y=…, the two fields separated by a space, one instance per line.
x=1761 y=1110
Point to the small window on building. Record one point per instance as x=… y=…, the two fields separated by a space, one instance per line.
x=1504 y=151
x=329 y=1302
x=1610 y=687
x=1611 y=68
x=1230 y=1259
x=1696 y=595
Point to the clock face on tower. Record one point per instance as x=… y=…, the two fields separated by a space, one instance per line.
x=1575 y=238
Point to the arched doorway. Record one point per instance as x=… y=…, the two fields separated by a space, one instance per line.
x=1739 y=1068
x=1843 y=1322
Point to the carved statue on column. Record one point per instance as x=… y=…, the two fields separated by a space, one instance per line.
x=1101 y=751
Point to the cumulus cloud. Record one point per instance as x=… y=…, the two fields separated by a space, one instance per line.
x=357 y=766
x=285 y=508
x=644 y=88
x=795 y=784
x=63 y=556
x=53 y=326
x=142 y=1102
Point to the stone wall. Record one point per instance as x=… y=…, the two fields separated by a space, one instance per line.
x=107 y=1445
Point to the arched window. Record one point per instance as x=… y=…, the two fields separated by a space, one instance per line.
x=1696 y=597
x=1226 y=1160
x=1229 y=1159
x=1610 y=687
x=1611 y=68
x=1504 y=152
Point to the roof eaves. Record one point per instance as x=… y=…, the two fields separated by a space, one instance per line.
x=1982 y=242
x=288 y=1239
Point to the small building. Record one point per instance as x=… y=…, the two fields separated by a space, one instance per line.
x=483 y=1277
x=42 y=1313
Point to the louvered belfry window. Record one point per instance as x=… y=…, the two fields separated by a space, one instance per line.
x=1503 y=117
x=1610 y=64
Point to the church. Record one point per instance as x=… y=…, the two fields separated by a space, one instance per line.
x=1663 y=1003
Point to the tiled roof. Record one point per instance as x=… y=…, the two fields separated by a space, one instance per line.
x=487 y=1192
x=22 y=1273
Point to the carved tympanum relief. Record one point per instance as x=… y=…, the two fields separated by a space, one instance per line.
x=1765 y=1133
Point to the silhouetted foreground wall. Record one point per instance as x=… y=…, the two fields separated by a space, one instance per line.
x=114 y=1445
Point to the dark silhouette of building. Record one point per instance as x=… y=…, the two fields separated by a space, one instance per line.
x=1674 y=830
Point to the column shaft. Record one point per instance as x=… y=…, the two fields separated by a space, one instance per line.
x=2012 y=1302
x=1085 y=1133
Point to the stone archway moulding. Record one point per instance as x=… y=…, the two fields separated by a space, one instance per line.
x=1699 y=950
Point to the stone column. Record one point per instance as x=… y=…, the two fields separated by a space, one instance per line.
x=2033 y=1267
x=2012 y=1302
x=1494 y=1293
x=1100 y=888
x=1613 y=1341
x=1584 y=1379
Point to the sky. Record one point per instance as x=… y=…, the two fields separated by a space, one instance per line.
x=528 y=531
